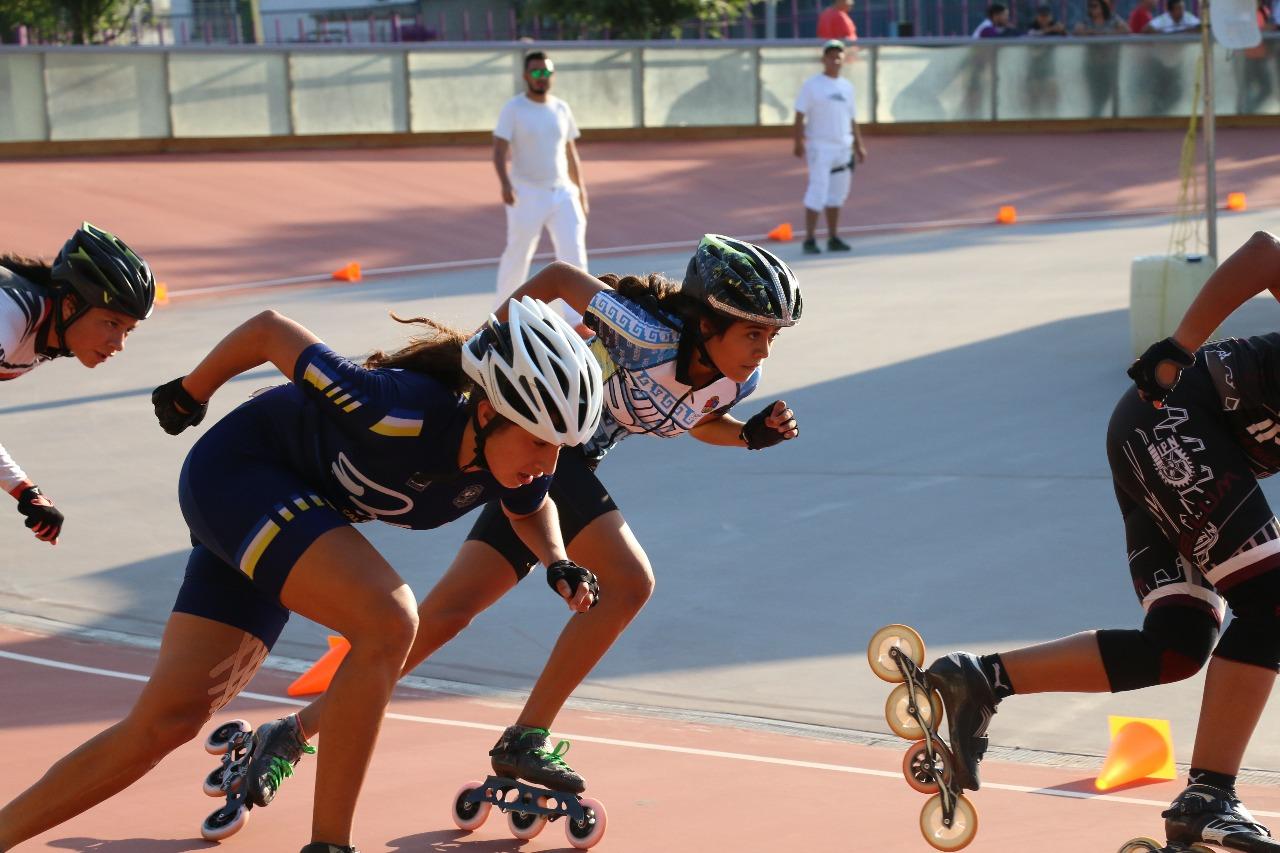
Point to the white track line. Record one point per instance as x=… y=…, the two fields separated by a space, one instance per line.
x=626 y=744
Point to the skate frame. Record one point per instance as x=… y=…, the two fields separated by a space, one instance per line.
x=918 y=680
x=512 y=795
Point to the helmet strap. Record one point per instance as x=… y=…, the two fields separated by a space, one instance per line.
x=482 y=434
x=59 y=323
x=693 y=343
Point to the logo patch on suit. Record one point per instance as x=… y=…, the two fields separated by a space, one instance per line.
x=468 y=496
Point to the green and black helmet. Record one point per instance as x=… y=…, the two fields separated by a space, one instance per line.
x=99 y=268
x=743 y=281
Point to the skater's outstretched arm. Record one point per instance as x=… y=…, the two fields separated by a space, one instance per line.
x=540 y=532
x=266 y=337
x=1250 y=270
x=558 y=280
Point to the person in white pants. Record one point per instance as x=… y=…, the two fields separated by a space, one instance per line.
x=545 y=188
x=827 y=135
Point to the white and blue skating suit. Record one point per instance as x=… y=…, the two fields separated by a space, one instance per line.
x=340 y=444
x=645 y=366
x=25 y=309
x=644 y=360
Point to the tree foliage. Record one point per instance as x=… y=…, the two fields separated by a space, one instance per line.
x=77 y=21
x=36 y=15
x=637 y=19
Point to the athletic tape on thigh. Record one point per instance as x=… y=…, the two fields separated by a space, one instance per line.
x=238 y=668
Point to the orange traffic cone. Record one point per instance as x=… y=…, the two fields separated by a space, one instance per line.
x=782 y=233
x=162 y=293
x=1236 y=201
x=1140 y=749
x=1007 y=215
x=351 y=272
x=316 y=679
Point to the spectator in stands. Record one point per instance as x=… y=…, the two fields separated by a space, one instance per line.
x=1268 y=20
x=1142 y=15
x=996 y=24
x=1044 y=24
x=835 y=22
x=1099 y=20
x=1176 y=20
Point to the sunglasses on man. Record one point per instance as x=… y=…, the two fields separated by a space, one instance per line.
x=541 y=73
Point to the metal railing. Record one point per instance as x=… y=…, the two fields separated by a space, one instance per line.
x=384 y=23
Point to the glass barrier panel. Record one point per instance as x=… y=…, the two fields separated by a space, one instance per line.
x=349 y=92
x=229 y=94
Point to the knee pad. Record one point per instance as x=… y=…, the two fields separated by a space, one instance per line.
x=1253 y=637
x=1174 y=643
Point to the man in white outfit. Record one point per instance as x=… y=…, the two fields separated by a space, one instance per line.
x=545 y=188
x=826 y=133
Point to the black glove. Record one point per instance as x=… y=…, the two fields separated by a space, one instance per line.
x=757 y=434
x=168 y=398
x=1143 y=370
x=573 y=574
x=43 y=518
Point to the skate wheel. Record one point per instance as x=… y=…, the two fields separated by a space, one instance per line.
x=583 y=835
x=213 y=782
x=890 y=637
x=220 y=738
x=469 y=816
x=964 y=825
x=1142 y=845
x=921 y=772
x=899 y=718
x=224 y=823
x=525 y=826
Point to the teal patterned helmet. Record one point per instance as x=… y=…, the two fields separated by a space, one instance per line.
x=743 y=281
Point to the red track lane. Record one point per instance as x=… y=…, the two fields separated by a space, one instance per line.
x=206 y=220
x=764 y=792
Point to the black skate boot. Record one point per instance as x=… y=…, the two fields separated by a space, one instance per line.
x=277 y=748
x=969 y=703
x=322 y=847
x=1211 y=815
x=521 y=753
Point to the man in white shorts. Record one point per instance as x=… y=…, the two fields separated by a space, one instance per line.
x=545 y=188
x=826 y=132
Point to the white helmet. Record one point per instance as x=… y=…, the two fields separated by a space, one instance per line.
x=538 y=373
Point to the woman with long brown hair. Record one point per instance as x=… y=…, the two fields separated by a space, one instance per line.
x=415 y=438
x=676 y=358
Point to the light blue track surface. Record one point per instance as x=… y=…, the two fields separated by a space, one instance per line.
x=953 y=391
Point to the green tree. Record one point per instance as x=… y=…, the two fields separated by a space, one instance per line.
x=85 y=21
x=637 y=19
x=38 y=15
x=90 y=20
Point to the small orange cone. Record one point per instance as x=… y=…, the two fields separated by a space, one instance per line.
x=1236 y=201
x=162 y=293
x=351 y=272
x=316 y=679
x=1140 y=749
x=782 y=233
x=1007 y=215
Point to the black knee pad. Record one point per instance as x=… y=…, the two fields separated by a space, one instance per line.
x=1174 y=643
x=1253 y=637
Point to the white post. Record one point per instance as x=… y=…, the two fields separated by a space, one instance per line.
x=1210 y=156
x=771 y=19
